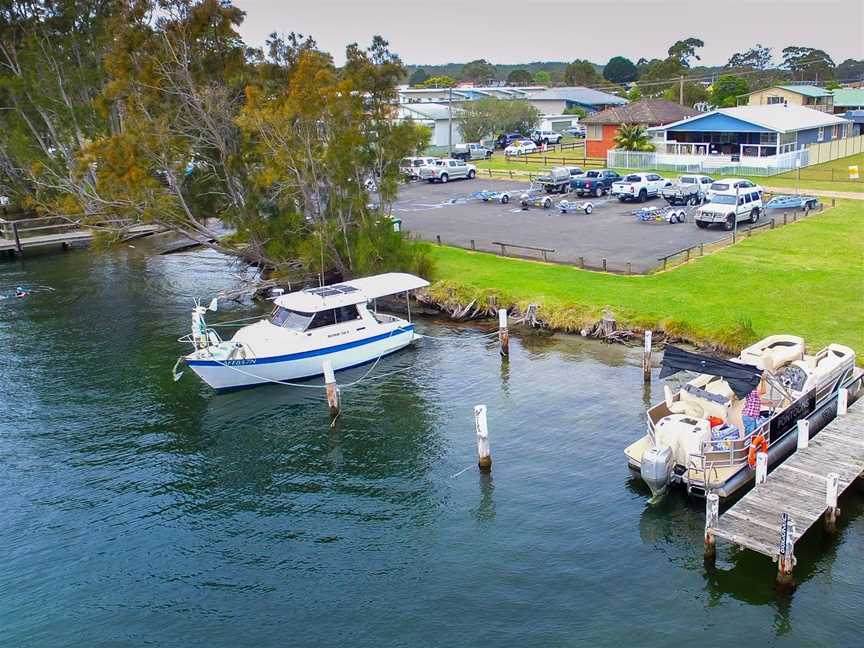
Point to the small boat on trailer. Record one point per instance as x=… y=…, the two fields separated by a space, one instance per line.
x=306 y=328
x=695 y=437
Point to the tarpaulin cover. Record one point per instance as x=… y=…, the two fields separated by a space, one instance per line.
x=742 y=378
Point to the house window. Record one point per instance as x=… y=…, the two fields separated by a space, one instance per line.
x=821 y=136
x=836 y=132
x=773 y=99
x=595 y=131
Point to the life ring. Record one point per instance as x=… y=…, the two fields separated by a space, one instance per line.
x=757 y=444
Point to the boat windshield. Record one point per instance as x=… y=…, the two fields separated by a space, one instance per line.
x=289 y=319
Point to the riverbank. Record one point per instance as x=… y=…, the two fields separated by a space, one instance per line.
x=805 y=279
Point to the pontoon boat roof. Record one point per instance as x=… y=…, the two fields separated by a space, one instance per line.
x=356 y=291
x=742 y=378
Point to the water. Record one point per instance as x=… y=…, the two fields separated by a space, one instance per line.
x=139 y=511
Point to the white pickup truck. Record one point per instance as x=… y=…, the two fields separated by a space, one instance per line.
x=639 y=186
x=471 y=152
x=689 y=190
x=556 y=180
x=446 y=170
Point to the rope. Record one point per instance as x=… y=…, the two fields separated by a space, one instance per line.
x=459 y=338
x=235 y=322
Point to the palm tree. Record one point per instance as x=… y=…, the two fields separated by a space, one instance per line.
x=633 y=137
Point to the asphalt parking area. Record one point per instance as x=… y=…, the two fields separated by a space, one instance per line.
x=611 y=231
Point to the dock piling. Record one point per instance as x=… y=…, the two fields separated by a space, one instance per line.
x=832 y=486
x=646 y=359
x=484 y=453
x=786 y=555
x=503 y=334
x=761 y=467
x=333 y=395
x=842 y=401
x=712 y=514
x=803 y=434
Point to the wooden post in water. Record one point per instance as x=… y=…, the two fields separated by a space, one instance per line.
x=484 y=454
x=503 y=334
x=832 y=486
x=786 y=554
x=761 y=467
x=17 y=238
x=803 y=434
x=333 y=396
x=842 y=401
x=712 y=514
x=646 y=359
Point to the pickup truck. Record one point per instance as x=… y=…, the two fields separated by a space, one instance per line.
x=545 y=137
x=446 y=170
x=471 y=152
x=689 y=189
x=594 y=183
x=639 y=186
x=556 y=180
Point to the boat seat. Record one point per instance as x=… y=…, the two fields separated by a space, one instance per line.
x=688 y=408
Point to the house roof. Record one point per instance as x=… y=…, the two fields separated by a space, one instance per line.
x=429 y=110
x=644 y=111
x=780 y=118
x=807 y=90
x=577 y=94
x=848 y=97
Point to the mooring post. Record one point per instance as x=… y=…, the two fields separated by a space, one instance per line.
x=803 y=434
x=646 y=358
x=832 y=487
x=17 y=238
x=761 y=467
x=503 y=334
x=333 y=396
x=842 y=401
x=484 y=454
x=712 y=514
x=786 y=555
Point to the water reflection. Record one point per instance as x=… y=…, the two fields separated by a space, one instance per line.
x=485 y=509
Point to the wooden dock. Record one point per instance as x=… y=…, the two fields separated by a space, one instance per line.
x=45 y=231
x=798 y=493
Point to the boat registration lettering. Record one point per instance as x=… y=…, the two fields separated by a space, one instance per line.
x=241 y=362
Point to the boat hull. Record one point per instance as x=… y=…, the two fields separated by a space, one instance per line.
x=234 y=374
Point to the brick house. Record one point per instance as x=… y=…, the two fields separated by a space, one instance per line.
x=602 y=126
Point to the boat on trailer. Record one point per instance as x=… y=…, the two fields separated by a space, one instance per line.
x=337 y=323
x=695 y=438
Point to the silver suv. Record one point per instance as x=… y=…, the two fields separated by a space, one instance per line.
x=545 y=137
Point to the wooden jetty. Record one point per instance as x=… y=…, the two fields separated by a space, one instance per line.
x=804 y=488
x=45 y=231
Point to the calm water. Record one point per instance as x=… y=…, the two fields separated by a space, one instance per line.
x=139 y=511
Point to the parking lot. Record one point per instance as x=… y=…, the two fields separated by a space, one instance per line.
x=611 y=231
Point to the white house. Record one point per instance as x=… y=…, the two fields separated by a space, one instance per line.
x=437 y=117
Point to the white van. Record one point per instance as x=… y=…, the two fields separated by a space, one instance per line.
x=723 y=210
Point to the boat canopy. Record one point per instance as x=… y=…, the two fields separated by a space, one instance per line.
x=742 y=378
x=356 y=291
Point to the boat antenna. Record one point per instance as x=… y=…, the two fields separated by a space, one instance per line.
x=321 y=277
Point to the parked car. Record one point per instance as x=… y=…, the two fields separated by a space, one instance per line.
x=731 y=206
x=689 y=189
x=575 y=171
x=556 y=180
x=446 y=170
x=520 y=147
x=410 y=166
x=727 y=184
x=639 y=186
x=575 y=131
x=594 y=182
x=545 y=137
x=471 y=152
x=506 y=139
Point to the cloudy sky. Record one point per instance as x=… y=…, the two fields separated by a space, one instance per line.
x=513 y=31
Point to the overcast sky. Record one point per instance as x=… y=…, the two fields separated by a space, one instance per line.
x=518 y=31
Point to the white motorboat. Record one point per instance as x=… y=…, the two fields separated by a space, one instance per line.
x=306 y=328
x=696 y=436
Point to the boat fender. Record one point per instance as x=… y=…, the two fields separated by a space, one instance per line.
x=757 y=444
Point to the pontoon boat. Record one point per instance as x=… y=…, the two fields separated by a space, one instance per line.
x=305 y=328
x=696 y=438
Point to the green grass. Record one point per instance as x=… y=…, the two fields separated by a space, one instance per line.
x=805 y=279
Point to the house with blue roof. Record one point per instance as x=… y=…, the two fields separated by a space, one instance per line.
x=767 y=136
x=554 y=101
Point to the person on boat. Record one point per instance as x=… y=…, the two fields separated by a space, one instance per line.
x=752 y=412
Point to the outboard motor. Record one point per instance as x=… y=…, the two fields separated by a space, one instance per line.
x=656 y=469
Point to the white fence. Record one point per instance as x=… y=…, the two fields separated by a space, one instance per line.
x=717 y=164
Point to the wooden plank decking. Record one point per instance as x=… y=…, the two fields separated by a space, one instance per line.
x=71 y=236
x=797 y=487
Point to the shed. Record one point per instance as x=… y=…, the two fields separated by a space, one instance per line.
x=555 y=101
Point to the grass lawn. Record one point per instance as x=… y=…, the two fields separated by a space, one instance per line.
x=805 y=279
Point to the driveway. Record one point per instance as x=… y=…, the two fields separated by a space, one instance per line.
x=610 y=232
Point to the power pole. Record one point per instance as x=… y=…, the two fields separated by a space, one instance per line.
x=450 y=123
x=681 y=90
